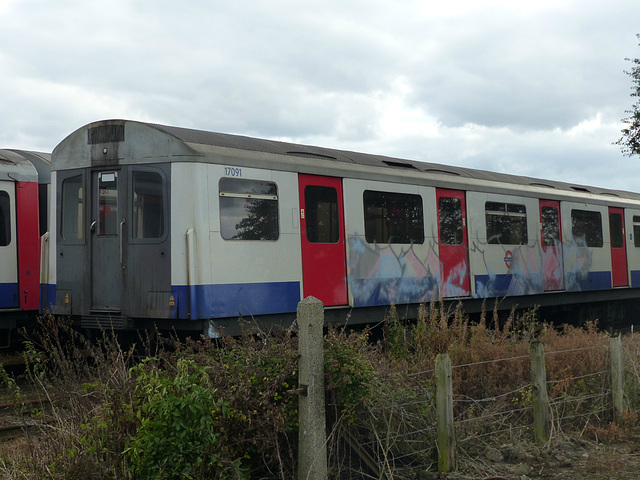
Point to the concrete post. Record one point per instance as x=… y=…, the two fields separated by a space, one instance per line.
x=312 y=443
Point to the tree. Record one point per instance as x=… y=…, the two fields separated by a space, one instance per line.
x=630 y=140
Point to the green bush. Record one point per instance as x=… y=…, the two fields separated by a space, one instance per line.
x=178 y=435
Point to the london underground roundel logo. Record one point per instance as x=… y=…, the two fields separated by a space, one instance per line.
x=508 y=257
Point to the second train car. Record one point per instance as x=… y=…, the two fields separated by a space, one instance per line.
x=24 y=194
x=190 y=229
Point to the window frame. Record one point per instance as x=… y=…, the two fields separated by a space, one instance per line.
x=446 y=228
x=81 y=203
x=131 y=215
x=5 y=225
x=384 y=202
x=500 y=214
x=313 y=197
x=636 y=230
x=578 y=212
x=226 y=195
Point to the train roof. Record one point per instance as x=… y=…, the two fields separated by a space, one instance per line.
x=22 y=165
x=106 y=143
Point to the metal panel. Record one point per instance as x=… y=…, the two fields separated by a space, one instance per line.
x=390 y=273
x=585 y=267
x=503 y=269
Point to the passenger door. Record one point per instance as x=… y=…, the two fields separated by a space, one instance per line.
x=619 y=274
x=324 y=271
x=452 y=243
x=551 y=240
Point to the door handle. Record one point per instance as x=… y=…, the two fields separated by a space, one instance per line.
x=122 y=264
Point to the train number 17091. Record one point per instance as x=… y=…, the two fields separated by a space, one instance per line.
x=233 y=171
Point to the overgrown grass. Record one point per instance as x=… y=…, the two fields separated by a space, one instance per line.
x=226 y=408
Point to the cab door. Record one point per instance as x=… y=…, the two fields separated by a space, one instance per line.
x=453 y=245
x=130 y=267
x=324 y=271
x=107 y=230
x=619 y=274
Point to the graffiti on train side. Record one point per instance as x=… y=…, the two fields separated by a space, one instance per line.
x=385 y=274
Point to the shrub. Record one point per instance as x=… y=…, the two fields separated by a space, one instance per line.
x=178 y=436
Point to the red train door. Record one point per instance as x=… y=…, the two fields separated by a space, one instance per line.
x=551 y=239
x=324 y=270
x=453 y=244
x=619 y=275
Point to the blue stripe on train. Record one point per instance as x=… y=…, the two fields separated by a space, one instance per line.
x=232 y=300
x=47 y=297
x=507 y=284
x=635 y=278
x=9 y=295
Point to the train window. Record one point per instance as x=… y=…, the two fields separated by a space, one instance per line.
x=248 y=209
x=393 y=217
x=5 y=219
x=321 y=214
x=616 y=230
x=72 y=211
x=586 y=228
x=636 y=231
x=108 y=203
x=506 y=223
x=450 y=215
x=550 y=226
x=148 y=205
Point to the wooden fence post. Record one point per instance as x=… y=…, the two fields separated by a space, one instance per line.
x=312 y=442
x=539 y=389
x=444 y=412
x=617 y=376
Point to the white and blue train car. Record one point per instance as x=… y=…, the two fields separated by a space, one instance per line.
x=190 y=230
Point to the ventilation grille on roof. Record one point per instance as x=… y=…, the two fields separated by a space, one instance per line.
x=106 y=134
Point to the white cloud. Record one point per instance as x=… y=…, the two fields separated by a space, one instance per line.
x=532 y=88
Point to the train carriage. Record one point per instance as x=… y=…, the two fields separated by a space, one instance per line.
x=190 y=230
x=24 y=179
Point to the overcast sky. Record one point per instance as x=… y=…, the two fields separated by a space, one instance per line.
x=526 y=87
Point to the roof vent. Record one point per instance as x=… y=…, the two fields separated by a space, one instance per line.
x=537 y=184
x=580 y=189
x=398 y=164
x=442 y=172
x=311 y=155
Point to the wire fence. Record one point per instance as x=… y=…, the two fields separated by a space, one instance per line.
x=579 y=388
